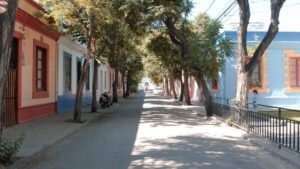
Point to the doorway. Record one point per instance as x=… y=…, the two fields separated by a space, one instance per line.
x=11 y=96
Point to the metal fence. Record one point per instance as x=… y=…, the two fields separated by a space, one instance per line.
x=270 y=122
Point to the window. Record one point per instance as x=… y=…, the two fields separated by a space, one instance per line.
x=87 y=85
x=40 y=70
x=101 y=80
x=67 y=71
x=105 y=83
x=291 y=71
x=255 y=78
x=214 y=84
x=258 y=80
x=110 y=78
x=295 y=72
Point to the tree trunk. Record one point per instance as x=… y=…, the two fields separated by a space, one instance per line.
x=172 y=85
x=115 y=86
x=167 y=86
x=7 y=26
x=181 y=90
x=187 y=98
x=83 y=75
x=206 y=95
x=90 y=35
x=95 y=83
x=242 y=85
x=245 y=67
x=123 y=85
x=128 y=84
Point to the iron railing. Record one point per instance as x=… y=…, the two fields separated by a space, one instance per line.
x=270 y=122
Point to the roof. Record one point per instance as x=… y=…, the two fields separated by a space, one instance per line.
x=258 y=36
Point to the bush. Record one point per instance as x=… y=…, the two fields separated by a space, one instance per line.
x=9 y=148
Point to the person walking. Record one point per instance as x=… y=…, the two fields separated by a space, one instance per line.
x=255 y=93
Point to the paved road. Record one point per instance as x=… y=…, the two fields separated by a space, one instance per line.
x=154 y=132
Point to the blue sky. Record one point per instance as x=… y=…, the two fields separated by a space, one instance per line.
x=260 y=12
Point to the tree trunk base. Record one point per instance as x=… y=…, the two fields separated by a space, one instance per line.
x=75 y=121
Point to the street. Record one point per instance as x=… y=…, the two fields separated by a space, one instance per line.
x=149 y=131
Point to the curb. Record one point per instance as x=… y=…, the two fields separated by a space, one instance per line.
x=284 y=153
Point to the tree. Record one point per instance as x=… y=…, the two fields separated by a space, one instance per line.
x=208 y=52
x=161 y=48
x=78 y=18
x=170 y=14
x=244 y=65
x=7 y=27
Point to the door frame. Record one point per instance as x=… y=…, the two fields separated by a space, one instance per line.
x=20 y=38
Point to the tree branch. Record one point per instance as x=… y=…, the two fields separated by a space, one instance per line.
x=173 y=32
x=244 y=21
x=276 y=6
x=177 y=36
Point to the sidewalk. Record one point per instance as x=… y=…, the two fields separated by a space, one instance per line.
x=283 y=153
x=41 y=133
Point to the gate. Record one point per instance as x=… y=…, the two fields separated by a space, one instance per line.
x=11 y=96
x=10 y=109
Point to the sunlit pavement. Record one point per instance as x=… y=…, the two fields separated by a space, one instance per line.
x=155 y=132
x=170 y=136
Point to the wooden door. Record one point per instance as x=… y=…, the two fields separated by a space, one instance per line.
x=11 y=97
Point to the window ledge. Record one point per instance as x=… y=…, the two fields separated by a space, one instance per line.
x=292 y=90
x=259 y=90
x=40 y=94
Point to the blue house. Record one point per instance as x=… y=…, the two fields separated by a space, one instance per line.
x=276 y=78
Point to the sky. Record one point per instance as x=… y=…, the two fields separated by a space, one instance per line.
x=260 y=12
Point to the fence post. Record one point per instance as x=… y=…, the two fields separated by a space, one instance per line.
x=279 y=116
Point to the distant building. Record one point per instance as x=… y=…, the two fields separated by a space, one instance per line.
x=147 y=83
x=276 y=78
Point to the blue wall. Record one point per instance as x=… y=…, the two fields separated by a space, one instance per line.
x=275 y=63
x=66 y=102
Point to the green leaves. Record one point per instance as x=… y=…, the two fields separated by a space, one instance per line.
x=9 y=148
x=208 y=48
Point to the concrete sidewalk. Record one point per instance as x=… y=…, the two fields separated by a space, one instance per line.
x=284 y=153
x=41 y=133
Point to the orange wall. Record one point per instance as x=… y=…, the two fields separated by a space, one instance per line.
x=30 y=9
x=27 y=66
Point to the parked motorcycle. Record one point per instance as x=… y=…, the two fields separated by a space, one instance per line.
x=105 y=100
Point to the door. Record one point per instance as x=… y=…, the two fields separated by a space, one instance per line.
x=78 y=70
x=11 y=97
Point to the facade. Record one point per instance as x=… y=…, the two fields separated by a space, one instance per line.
x=70 y=60
x=31 y=82
x=277 y=77
x=104 y=79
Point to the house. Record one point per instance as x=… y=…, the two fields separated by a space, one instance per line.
x=277 y=76
x=105 y=75
x=31 y=88
x=70 y=61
